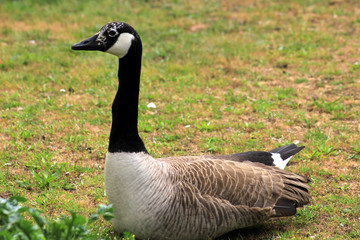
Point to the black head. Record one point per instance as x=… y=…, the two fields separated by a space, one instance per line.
x=115 y=38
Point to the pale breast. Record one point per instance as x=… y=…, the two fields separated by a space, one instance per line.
x=136 y=185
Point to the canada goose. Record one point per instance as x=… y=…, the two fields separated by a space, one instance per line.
x=193 y=197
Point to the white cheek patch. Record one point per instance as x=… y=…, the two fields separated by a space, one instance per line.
x=122 y=45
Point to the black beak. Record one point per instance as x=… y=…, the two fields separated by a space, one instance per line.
x=88 y=44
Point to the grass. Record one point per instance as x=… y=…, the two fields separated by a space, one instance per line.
x=226 y=77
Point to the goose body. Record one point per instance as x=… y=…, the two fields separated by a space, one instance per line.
x=191 y=197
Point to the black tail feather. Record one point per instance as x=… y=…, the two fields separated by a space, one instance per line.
x=261 y=156
x=288 y=150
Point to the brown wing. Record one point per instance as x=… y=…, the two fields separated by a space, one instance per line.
x=214 y=196
x=239 y=183
x=242 y=183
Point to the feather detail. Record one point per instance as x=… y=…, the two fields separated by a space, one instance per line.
x=278 y=157
x=193 y=197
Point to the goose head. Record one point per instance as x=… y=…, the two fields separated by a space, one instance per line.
x=116 y=38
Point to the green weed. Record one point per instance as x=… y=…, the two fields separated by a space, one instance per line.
x=14 y=225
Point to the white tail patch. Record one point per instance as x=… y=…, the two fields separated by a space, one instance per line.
x=278 y=161
x=122 y=45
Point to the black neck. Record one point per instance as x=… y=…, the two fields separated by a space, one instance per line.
x=124 y=136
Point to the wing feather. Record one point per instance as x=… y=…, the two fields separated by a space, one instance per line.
x=239 y=183
x=222 y=195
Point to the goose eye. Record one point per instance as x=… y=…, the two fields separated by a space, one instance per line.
x=112 y=33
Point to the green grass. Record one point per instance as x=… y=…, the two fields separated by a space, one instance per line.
x=226 y=76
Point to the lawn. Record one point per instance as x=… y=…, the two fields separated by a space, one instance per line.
x=225 y=76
